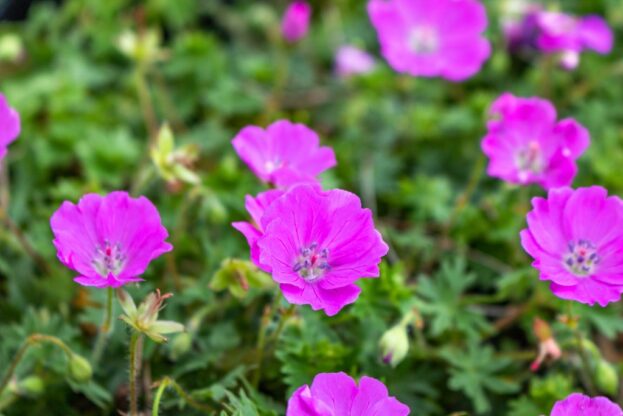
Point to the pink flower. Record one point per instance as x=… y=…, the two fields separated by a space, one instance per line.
x=295 y=23
x=253 y=230
x=432 y=38
x=9 y=125
x=284 y=154
x=350 y=60
x=109 y=240
x=520 y=27
x=570 y=35
x=525 y=144
x=317 y=244
x=576 y=240
x=337 y=394
x=578 y=404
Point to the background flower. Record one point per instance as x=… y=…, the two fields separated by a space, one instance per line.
x=578 y=404
x=9 y=125
x=295 y=23
x=350 y=60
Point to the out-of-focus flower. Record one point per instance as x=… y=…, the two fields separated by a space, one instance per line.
x=144 y=48
x=570 y=35
x=441 y=38
x=253 y=230
x=548 y=347
x=525 y=144
x=144 y=319
x=284 y=154
x=394 y=345
x=110 y=240
x=317 y=244
x=295 y=22
x=173 y=164
x=520 y=25
x=11 y=48
x=575 y=238
x=606 y=377
x=9 y=125
x=578 y=404
x=350 y=60
x=338 y=394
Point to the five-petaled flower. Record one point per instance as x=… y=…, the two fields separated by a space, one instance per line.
x=576 y=240
x=110 y=240
x=578 y=404
x=317 y=244
x=441 y=38
x=525 y=144
x=338 y=394
x=9 y=125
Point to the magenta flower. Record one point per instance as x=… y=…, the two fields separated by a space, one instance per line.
x=576 y=240
x=350 y=60
x=441 y=38
x=295 y=23
x=284 y=154
x=253 y=230
x=109 y=240
x=337 y=394
x=317 y=244
x=525 y=144
x=570 y=35
x=521 y=28
x=577 y=404
x=9 y=125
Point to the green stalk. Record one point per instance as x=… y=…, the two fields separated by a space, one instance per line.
x=134 y=344
x=105 y=329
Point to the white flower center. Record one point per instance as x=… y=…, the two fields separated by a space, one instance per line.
x=109 y=259
x=582 y=258
x=529 y=160
x=424 y=40
x=312 y=262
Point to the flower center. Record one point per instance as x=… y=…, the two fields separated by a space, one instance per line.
x=423 y=40
x=529 y=160
x=109 y=259
x=273 y=165
x=312 y=263
x=582 y=258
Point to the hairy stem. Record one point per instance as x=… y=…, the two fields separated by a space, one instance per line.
x=105 y=329
x=134 y=353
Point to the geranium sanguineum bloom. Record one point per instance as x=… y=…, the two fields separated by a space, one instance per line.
x=337 y=394
x=441 y=38
x=109 y=240
x=295 y=22
x=317 y=244
x=576 y=240
x=9 y=125
x=570 y=35
x=525 y=144
x=283 y=154
x=350 y=60
x=253 y=230
x=578 y=404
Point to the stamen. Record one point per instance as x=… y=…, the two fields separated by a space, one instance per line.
x=312 y=263
x=109 y=259
x=424 y=41
x=582 y=258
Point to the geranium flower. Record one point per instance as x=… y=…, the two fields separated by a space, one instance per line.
x=284 y=154
x=570 y=35
x=578 y=404
x=441 y=38
x=9 y=125
x=295 y=22
x=350 y=61
x=576 y=240
x=253 y=230
x=110 y=239
x=525 y=144
x=317 y=244
x=337 y=394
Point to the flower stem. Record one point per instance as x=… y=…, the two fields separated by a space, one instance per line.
x=105 y=329
x=585 y=369
x=168 y=381
x=134 y=353
x=463 y=199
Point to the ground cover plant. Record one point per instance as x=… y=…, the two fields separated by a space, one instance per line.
x=333 y=207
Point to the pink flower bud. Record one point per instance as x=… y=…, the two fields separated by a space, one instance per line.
x=295 y=23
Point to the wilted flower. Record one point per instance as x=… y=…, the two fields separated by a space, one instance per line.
x=110 y=239
x=144 y=48
x=441 y=38
x=338 y=394
x=350 y=60
x=295 y=23
x=570 y=35
x=394 y=345
x=9 y=125
x=578 y=404
x=284 y=154
x=525 y=144
x=317 y=244
x=548 y=347
x=144 y=319
x=575 y=238
x=174 y=164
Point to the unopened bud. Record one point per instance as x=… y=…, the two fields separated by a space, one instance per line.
x=79 y=369
x=394 y=345
x=31 y=386
x=606 y=378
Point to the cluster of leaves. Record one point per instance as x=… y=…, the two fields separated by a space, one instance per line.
x=409 y=147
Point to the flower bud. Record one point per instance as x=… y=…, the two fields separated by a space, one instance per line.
x=11 y=47
x=606 y=377
x=295 y=23
x=548 y=347
x=394 y=345
x=31 y=386
x=79 y=369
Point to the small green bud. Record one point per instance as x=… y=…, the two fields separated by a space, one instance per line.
x=31 y=386
x=606 y=377
x=11 y=47
x=180 y=345
x=79 y=369
x=394 y=345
